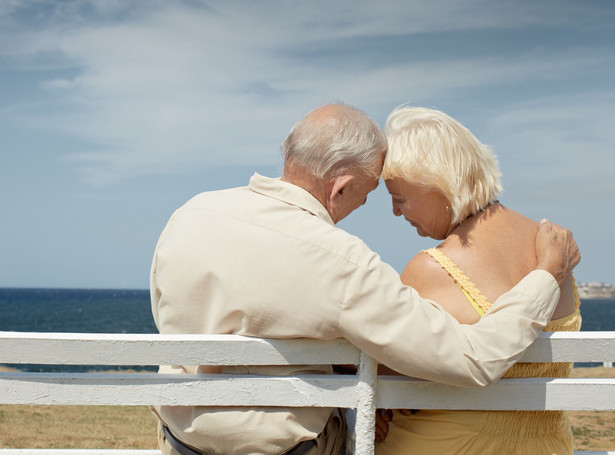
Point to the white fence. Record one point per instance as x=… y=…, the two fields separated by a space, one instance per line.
x=364 y=391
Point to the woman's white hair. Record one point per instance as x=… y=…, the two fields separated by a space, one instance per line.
x=430 y=148
x=328 y=145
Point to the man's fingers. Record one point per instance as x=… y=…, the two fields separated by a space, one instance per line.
x=556 y=250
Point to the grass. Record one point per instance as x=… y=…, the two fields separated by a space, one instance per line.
x=77 y=427
x=593 y=430
x=134 y=427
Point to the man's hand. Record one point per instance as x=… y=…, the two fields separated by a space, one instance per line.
x=556 y=250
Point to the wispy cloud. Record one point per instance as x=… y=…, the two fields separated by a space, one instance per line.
x=158 y=86
x=562 y=142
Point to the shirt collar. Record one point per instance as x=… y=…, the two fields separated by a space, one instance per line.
x=290 y=194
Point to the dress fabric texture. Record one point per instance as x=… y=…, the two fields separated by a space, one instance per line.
x=428 y=432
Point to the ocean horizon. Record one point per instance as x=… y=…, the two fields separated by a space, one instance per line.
x=129 y=311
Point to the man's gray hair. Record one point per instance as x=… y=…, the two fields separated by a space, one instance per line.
x=335 y=138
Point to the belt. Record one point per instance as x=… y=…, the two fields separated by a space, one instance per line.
x=179 y=446
x=300 y=449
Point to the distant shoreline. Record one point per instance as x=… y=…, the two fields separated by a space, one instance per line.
x=597 y=297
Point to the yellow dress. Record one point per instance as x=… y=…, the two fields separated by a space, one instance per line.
x=433 y=432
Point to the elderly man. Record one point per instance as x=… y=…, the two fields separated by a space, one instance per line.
x=267 y=260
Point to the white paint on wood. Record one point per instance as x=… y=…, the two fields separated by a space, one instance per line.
x=301 y=391
x=177 y=389
x=507 y=394
x=572 y=347
x=366 y=399
x=156 y=349
x=364 y=391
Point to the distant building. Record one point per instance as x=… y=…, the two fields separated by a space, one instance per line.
x=596 y=290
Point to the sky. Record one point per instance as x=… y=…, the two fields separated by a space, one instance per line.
x=113 y=113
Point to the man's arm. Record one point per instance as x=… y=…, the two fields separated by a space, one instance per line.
x=416 y=337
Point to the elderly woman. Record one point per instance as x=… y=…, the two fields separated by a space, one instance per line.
x=444 y=182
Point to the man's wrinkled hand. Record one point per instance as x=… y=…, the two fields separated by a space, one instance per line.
x=556 y=251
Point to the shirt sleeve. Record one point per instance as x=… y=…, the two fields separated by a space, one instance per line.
x=416 y=337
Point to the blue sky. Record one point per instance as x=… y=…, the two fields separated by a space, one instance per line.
x=113 y=113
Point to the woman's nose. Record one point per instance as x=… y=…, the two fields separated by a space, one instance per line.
x=396 y=210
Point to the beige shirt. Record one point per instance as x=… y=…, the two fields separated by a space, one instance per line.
x=267 y=260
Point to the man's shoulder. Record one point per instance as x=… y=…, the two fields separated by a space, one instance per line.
x=220 y=193
x=272 y=219
x=342 y=244
x=211 y=198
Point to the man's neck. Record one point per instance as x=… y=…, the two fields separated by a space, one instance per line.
x=298 y=176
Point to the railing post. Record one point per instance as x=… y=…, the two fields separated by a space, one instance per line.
x=365 y=425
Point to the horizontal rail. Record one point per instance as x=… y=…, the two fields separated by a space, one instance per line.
x=155 y=349
x=572 y=347
x=530 y=394
x=300 y=391
x=177 y=389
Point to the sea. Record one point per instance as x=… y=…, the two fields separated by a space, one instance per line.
x=128 y=311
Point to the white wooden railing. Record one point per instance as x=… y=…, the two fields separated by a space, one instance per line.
x=363 y=392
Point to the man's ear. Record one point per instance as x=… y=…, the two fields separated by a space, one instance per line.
x=339 y=185
x=337 y=188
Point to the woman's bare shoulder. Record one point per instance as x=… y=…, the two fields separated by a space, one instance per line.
x=431 y=281
x=428 y=277
x=421 y=271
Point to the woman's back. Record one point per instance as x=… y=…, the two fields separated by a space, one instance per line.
x=495 y=249
x=481 y=259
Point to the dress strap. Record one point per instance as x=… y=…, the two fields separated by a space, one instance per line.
x=474 y=296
